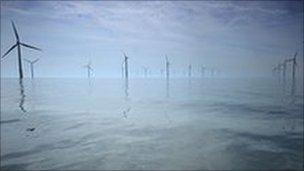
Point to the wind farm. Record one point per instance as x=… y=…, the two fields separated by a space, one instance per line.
x=178 y=85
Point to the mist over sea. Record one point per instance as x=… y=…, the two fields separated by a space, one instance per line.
x=210 y=123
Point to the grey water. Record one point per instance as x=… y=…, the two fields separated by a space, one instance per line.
x=211 y=123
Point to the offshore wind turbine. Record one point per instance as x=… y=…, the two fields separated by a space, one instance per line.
x=32 y=66
x=122 y=69
x=284 y=65
x=18 y=45
x=294 y=64
x=167 y=77
x=274 y=70
x=212 y=71
x=189 y=70
x=125 y=62
x=126 y=66
x=167 y=68
x=89 y=68
x=161 y=72
x=203 y=71
x=145 y=71
x=279 y=68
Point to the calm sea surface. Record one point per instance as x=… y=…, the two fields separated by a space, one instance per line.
x=185 y=124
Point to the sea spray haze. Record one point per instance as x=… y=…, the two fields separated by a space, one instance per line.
x=152 y=85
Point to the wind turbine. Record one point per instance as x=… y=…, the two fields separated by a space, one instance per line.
x=203 y=71
x=167 y=68
x=18 y=45
x=122 y=69
x=274 y=69
x=167 y=77
x=284 y=65
x=294 y=64
x=32 y=66
x=189 y=70
x=212 y=72
x=89 y=69
x=126 y=74
x=126 y=66
x=161 y=72
x=145 y=71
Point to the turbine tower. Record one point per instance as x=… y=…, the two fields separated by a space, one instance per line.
x=126 y=66
x=294 y=64
x=167 y=68
x=145 y=71
x=167 y=77
x=284 y=65
x=122 y=69
x=32 y=66
x=18 y=45
x=203 y=71
x=89 y=69
x=280 y=69
x=189 y=70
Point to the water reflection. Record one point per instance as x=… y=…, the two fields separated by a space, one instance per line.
x=126 y=89
x=167 y=88
x=293 y=87
x=22 y=96
x=90 y=86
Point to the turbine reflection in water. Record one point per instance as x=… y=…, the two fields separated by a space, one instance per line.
x=167 y=88
x=22 y=96
x=126 y=89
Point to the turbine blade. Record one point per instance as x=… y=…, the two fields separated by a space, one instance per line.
x=125 y=55
x=15 y=30
x=35 y=61
x=27 y=60
x=295 y=55
x=29 y=46
x=9 y=50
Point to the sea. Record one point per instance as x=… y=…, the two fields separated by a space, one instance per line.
x=151 y=124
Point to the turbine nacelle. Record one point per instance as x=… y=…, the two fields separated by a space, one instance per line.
x=31 y=62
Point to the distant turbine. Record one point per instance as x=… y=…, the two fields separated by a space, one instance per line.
x=161 y=72
x=279 y=70
x=203 y=71
x=212 y=72
x=189 y=70
x=275 y=70
x=294 y=64
x=167 y=68
x=32 y=66
x=145 y=71
x=18 y=45
x=167 y=77
x=122 y=68
x=126 y=66
x=284 y=65
x=89 y=68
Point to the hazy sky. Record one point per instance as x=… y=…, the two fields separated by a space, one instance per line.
x=239 y=38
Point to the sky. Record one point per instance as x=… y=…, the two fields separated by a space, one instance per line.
x=237 y=38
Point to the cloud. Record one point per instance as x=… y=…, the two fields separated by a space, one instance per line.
x=198 y=28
